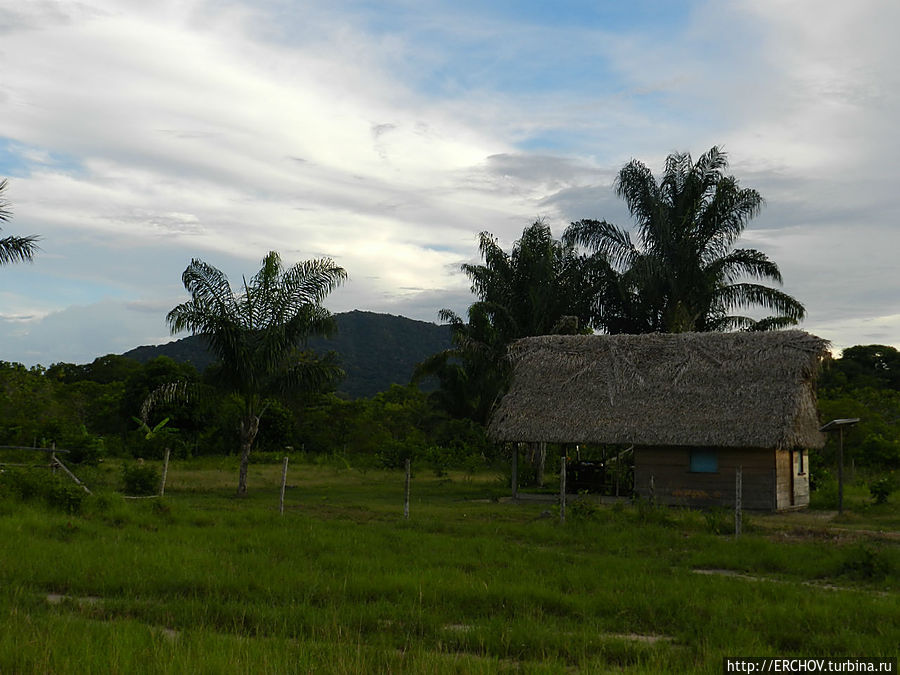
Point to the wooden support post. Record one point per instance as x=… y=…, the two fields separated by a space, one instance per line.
x=162 y=485
x=71 y=475
x=562 y=489
x=840 y=470
x=406 y=491
x=53 y=457
x=652 y=489
x=515 y=471
x=283 y=484
x=738 y=500
x=541 y=457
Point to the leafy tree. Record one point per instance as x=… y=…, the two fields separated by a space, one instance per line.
x=542 y=286
x=256 y=332
x=682 y=274
x=863 y=366
x=14 y=249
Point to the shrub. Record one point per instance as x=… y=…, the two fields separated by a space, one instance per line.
x=581 y=508
x=718 y=521
x=648 y=511
x=41 y=485
x=440 y=459
x=881 y=489
x=865 y=563
x=66 y=497
x=393 y=455
x=84 y=448
x=140 y=479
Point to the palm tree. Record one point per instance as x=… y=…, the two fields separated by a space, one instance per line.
x=683 y=274
x=14 y=249
x=257 y=332
x=472 y=373
x=543 y=285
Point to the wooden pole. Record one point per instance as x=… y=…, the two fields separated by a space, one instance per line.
x=515 y=471
x=840 y=470
x=738 y=500
x=162 y=485
x=562 y=489
x=283 y=484
x=541 y=462
x=406 y=491
x=71 y=475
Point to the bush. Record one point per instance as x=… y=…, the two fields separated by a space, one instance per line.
x=718 y=520
x=581 y=508
x=865 y=563
x=440 y=459
x=393 y=455
x=649 y=512
x=41 y=485
x=65 y=496
x=881 y=489
x=140 y=479
x=824 y=490
x=84 y=448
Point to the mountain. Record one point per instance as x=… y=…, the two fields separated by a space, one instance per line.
x=376 y=350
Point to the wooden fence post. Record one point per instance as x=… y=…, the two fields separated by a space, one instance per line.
x=406 y=497
x=162 y=485
x=515 y=471
x=562 y=489
x=738 y=499
x=283 y=483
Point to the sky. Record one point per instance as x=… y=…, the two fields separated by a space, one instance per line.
x=386 y=135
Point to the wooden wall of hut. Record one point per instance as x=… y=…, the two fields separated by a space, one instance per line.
x=793 y=479
x=675 y=484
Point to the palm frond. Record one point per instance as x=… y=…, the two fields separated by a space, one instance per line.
x=636 y=185
x=743 y=262
x=18 y=249
x=748 y=295
x=609 y=242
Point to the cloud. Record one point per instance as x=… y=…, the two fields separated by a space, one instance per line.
x=78 y=334
x=141 y=135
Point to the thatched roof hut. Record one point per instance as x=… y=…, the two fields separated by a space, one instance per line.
x=729 y=390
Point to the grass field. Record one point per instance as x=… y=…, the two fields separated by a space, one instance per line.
x=202 y=582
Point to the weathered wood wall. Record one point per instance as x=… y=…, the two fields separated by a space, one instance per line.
x=784 y=487
x=801 y=479
x=675 y=484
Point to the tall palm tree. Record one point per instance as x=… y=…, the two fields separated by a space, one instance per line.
x=542 y=286
x=683 y=274
x=257 y=332
x=14 y=249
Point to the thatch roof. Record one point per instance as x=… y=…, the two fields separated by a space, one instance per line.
x=751 y=390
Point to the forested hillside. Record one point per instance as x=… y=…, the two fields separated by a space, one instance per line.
x=375 y=350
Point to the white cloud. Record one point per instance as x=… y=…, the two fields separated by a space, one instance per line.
x=145 y=134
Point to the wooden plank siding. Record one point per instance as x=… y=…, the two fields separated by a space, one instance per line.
x=675 y=484
x=784 y=488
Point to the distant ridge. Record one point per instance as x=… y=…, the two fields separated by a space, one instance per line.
x=376 y=350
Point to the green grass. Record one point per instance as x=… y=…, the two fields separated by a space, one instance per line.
x=203 y=582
